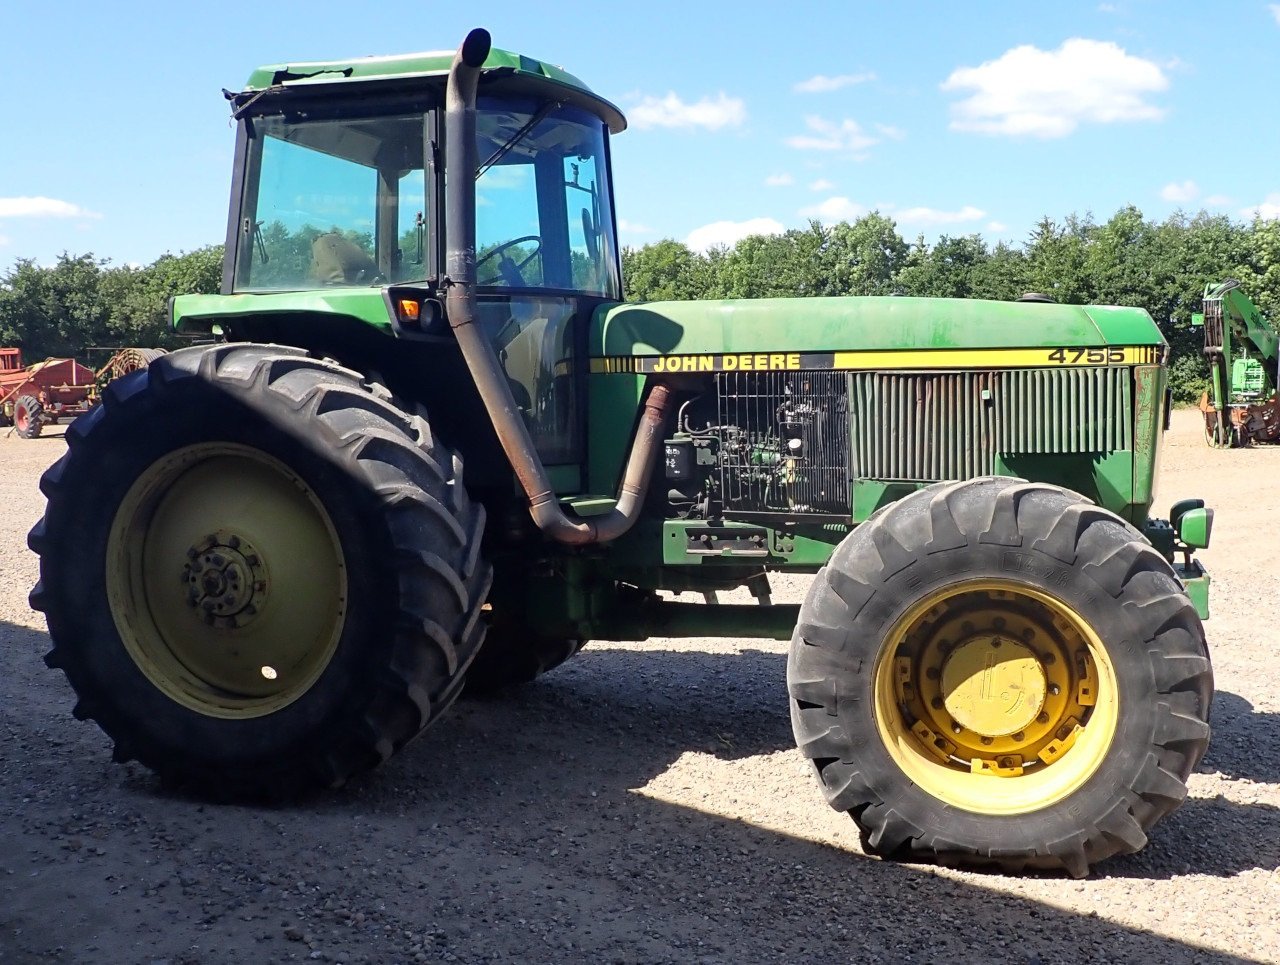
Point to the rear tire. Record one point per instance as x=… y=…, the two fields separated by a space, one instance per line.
x=28 y=417
x=511 y=656
x=259 y=576
x=985 y=605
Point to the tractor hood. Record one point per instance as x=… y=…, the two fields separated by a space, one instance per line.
x=880 y=332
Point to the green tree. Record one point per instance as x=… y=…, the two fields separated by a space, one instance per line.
x=950 y=269
x=664 y=270
x=861 y=258
x=54 y=311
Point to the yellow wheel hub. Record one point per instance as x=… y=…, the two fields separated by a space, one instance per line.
x=995 y=697
x=226 y=580
x=992 y=686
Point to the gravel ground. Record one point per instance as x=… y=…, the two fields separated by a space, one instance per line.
x=642 y=803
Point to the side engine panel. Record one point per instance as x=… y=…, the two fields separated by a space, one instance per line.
x=763 y=443
x=792 y=444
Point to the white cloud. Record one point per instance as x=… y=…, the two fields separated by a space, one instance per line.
x=891 y=132
x=729 y=233
x=934 y=216
x=1275 y=11
x=779 y=180
x=5 y=240
x=631 y=228
x=822 y=184
x=847 y=136
x=1181 y=192
x=1217 y=201
x=671 y=111
x=1049 y=93
x=1108 y=8
x=995 y=227
x=835 y=209
x=41 y=207
x=1268 y=210
x=822 y=84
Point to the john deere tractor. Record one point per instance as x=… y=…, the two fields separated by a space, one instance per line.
x=427 y=446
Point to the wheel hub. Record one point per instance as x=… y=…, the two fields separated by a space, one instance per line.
x=226 y=580
x=992 y=685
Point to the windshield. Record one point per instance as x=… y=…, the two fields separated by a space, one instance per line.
x=341 y=201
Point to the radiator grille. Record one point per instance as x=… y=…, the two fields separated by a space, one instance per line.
x=929 y=427
x=785 y=446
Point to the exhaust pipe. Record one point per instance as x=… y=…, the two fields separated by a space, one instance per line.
x=461 y=162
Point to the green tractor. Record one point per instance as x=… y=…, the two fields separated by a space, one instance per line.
x=427 y=446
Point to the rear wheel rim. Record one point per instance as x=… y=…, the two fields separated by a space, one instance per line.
x=226 y=580
x=995 y=697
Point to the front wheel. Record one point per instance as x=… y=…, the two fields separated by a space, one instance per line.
x=999 y=673
x=259 y=575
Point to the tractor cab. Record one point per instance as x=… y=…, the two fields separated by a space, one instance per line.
x=338 y=191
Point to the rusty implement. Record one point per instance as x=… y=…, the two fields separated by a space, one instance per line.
x=58 y=389
x=1243 y=424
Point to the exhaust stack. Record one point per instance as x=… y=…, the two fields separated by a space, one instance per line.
x=461 y=161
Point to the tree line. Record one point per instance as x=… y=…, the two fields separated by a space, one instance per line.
x=82 y=301
x=1162 y=266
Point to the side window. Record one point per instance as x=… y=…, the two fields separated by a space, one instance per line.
x=533 y=336
x=586 y=239
x=315 y=219
x=332 y=202
x=411 y=212
x=508 y=229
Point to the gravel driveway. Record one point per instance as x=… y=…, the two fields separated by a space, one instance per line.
x=642 y=803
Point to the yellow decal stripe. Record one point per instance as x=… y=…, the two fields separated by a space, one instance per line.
x=997 y=358
x=888 y=360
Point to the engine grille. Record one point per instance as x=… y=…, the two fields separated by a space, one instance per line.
x=787 y=445
x=928 y=427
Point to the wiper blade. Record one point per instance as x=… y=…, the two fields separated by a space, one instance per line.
x=278 y=79
x=516 y=138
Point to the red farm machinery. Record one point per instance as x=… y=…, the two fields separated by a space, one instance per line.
x=58 y=389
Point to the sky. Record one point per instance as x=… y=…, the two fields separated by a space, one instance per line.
x=951 y=118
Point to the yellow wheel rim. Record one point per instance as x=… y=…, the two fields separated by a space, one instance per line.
x=995 y=697
x=226 y=580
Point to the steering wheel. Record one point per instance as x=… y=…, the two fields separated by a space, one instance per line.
x=508 y=270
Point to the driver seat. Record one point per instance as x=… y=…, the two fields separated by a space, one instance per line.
x=336 y=260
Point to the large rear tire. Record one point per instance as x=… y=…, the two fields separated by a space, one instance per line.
x=999 y=673
x=512 y=656
x=259 y=575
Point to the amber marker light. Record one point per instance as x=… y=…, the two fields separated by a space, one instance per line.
x=409 y=310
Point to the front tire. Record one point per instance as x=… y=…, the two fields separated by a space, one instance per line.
x=259 y=575
x=999 y=673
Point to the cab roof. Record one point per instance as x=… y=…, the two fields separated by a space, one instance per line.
x=524 y=71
